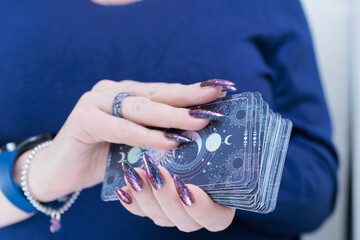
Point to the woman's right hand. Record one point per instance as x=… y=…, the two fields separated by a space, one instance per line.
x=77 y=158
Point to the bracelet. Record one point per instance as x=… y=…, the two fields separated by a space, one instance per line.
x=8 y=155
x=54 y=213
x=8 y=186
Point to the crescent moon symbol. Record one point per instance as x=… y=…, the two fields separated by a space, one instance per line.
x=122 y=154
x=195 y=137
x=226 y=141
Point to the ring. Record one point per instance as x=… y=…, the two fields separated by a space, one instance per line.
x=116 y=105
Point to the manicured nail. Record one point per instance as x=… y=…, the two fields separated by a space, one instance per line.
x=123 y=196
x=216 y=83
x=132 y=176
x=177 y=137
x=153 y=172
x=228 y=88
x=200 y=113
x=183 y=191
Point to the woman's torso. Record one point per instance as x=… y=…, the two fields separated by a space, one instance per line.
x=54 y=51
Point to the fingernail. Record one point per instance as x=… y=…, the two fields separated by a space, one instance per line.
x=228 y=88
x=183 y=191
x=216 y=83
x=200 y=113
x=153 y=172
x=177 y=137
x=123 y=196
x=132 y=176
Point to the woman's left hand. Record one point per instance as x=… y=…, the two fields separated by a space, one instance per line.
x=169 y=202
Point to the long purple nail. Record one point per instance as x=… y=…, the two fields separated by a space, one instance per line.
x=216 y=83
x=153 y=172
x=183 y=191
x=228 y=88
x=200 y=113
x=177 y=137
x=132 y=176
x=123 y=196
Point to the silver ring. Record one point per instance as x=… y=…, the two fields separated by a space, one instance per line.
x=116 y=105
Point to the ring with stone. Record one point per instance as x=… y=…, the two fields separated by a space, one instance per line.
x=116 y=105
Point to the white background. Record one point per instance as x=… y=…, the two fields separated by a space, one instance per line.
x=355 y=85
x=332 y=29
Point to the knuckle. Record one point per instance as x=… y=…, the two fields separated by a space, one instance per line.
x=102 y=84
x=88 y=100
x=167 y=202
x=154 y=90
x=126 y=82
x=86 y=97
x=188 y=229
x=78 y=114
x=203 y=217
x=163 y=222
x=141 y=214
x=176 y=120
x=79 y=117
x=177 y=85
x=137 y=106
x=218 y=227
x=183 y=229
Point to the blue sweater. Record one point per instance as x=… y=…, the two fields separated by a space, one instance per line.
x=51 y=52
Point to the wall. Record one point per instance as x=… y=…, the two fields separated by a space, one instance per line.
x=329 y=22
x=355 y=100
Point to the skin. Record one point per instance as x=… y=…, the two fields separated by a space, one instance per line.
x=77 y=159
x=114 y=2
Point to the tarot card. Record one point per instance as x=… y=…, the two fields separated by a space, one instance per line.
x=217 y=156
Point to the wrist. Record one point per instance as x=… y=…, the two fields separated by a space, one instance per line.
x=39 y=177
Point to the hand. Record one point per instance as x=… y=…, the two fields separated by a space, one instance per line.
x=171 y=203
x=77 y=158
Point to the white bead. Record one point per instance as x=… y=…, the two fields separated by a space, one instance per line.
x=44 y=209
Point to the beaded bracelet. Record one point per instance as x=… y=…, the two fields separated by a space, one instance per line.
x=55 y=214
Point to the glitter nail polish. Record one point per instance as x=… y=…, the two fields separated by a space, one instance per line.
x=200 y=113
x=132 y=176
x=153 y=172
x=177 y=137
x=216 y=83
x=183 y=191
x=228 y=88
x=123 y=196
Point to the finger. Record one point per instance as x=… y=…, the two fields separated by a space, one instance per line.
x=129 y=202
x=170 y=203
x=223 y=94
x=148 y=113
x=147 y=202
x=205 y=211
x=98 y=126
x=174 y=94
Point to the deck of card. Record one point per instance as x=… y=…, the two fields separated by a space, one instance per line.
x=237 y=159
